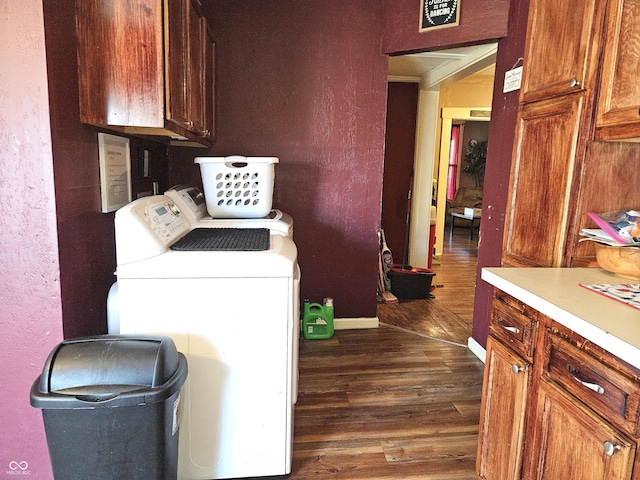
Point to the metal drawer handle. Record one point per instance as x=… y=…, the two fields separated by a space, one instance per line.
x=574 y=83
x=610 y=448
x=507 y=327
x=516 y=369
x=592 y=386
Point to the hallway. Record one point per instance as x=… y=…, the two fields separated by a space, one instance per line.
x=449 y=315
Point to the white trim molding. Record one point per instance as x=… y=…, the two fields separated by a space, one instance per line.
x=477 y=349
x=355 y=323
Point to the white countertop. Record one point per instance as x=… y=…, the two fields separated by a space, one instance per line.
x=556 y=293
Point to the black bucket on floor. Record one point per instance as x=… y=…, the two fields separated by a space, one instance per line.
x=408 y=282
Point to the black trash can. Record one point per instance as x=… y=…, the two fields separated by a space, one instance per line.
x=110 y=406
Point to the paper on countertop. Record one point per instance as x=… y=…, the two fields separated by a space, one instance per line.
x=600 y=236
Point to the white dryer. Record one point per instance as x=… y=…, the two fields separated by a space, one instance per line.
x=235 y=316
x=191 y=202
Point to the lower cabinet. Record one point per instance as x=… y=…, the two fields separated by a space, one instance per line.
x=502 y=413
x=556 y=406
x=572 y=443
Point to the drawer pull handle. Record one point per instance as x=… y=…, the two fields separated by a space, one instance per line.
x=610 y=448
x=507 y=327
x=574 y=83
x=516 y=369
x=591 y=386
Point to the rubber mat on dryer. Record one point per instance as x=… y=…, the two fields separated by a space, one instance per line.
x=224 y=239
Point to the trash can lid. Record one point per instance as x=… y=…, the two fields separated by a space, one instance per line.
x=105 y=366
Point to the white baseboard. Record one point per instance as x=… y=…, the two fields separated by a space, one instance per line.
x=353 y=323
x=477 y=349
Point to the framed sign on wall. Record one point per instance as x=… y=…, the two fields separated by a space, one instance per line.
x=115 y=171
x=439 y=14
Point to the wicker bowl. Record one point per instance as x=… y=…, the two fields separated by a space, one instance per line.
x=623 y=261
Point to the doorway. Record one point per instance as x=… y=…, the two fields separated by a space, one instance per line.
x=446 y=78
x=475 y=124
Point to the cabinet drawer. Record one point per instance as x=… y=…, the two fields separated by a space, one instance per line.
x=601 y=387
x=513 y=323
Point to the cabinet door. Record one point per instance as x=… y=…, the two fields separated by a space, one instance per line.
x=187 y=60
x=618 y=114
x=119 y=83
x=502 y=413
x=176 y=45
x=549 y=142
x=209 y=84
x=196 y=68
x=575 y=444
x=561 y=49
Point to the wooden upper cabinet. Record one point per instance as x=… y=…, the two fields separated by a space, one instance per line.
x=618 y=115
x=120 y=63
x=142 y=68
x=562 y=47
x=549 y=146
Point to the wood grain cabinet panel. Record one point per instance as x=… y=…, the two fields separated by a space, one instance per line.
x=571 y=443
x=618 y=115
x=609 y=391
x=512 y=327
x=570 y=412
x=555 y=125
x=561 y=55
x=143 y=68
x=549 y=149
x=502 y=413
x=120 y=83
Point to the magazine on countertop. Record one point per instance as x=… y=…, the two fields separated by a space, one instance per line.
x=622 y=226
x=626 y=293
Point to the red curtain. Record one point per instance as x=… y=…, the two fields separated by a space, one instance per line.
x=452 y=176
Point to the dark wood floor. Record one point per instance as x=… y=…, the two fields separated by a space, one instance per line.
x=449 y=315
x=386 y=403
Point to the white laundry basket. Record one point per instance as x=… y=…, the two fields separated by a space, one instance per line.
x=237 y=186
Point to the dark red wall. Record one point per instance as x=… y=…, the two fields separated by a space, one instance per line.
x=85 y=235
x=306 y=82
x=399 y=155
x=480 y=21
x=496 y=184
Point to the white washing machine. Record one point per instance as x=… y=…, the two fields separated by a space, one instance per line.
x=235 y=316
x=191 y=202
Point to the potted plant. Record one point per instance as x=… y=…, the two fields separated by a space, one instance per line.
x=476 y=158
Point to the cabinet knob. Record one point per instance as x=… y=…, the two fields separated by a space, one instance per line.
x=188 y=125
x=574 y=83
x=516 y=369
x=610 y=448
x=204 y=133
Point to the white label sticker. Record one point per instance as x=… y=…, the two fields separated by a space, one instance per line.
x=512 y=80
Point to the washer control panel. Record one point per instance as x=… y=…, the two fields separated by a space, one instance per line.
x=148 y=227
x=190 y=200
x=165 y=220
